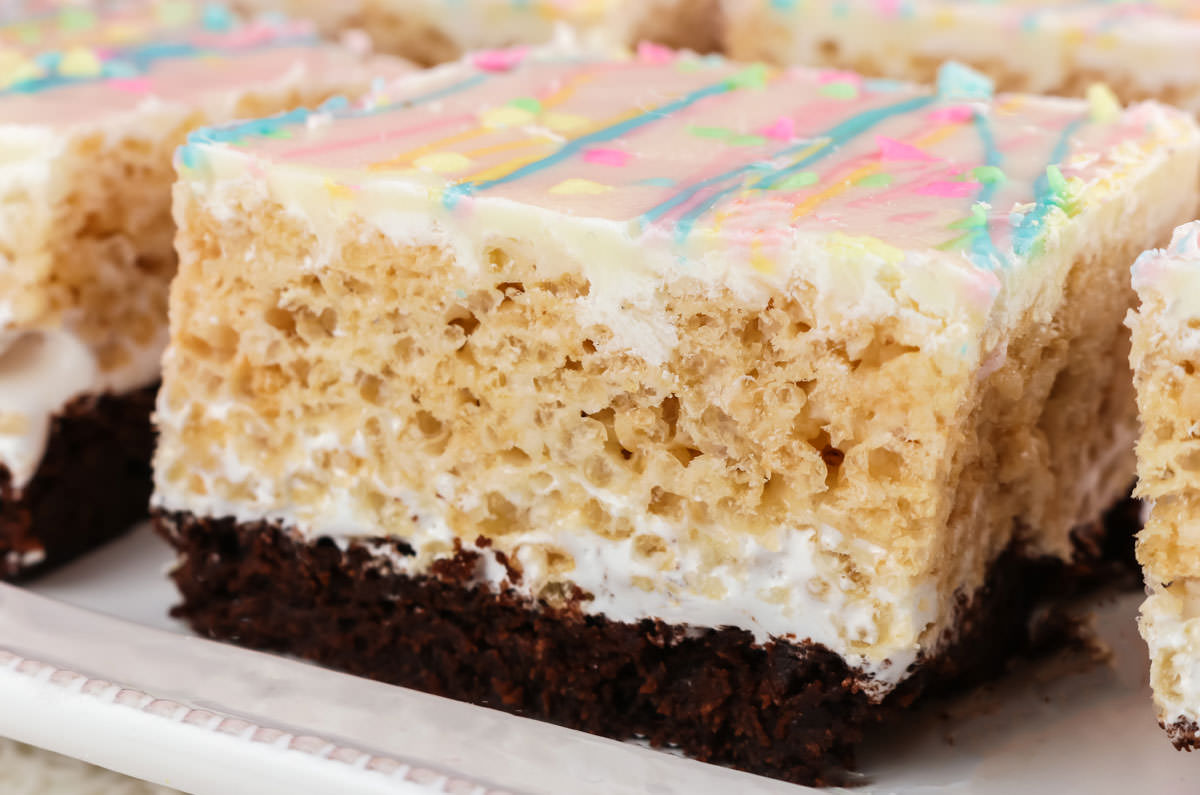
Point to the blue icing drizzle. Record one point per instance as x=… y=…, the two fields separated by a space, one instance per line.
x=576 y=145
x=255 y=128
x=958 y=82
x=1028 y=226
x=217 y=18
x=837 y=135
x=983 y=251
x=135 y=61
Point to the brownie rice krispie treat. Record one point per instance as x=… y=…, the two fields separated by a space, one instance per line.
x=662 y=396
x=93 y=102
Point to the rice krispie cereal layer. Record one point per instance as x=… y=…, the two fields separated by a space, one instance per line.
x=671 y=338
x=93 y=103
x=1166 y=353
x=1142 y=50
x=435 y=31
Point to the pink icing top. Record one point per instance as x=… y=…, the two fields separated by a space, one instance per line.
x=68 y=63
x=701 y=149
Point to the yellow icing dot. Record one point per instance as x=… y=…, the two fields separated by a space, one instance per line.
x=855 y=247
x=443 y=162
x=10 y=61
x=337 y=190
x=79 y=62
x=1105 y=106
x=16 y=68
x=565 y=122
x=759 y=261
x=506 y=116
x=579 y=187
x=123 y=33
x=943 y=18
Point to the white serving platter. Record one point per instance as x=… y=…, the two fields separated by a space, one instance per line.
x=91 y=666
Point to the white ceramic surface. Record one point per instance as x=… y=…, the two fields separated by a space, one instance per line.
x=141 y=696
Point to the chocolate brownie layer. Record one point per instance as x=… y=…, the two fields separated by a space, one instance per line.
x=1184 y=734
x=92 y=484
x=790 y=710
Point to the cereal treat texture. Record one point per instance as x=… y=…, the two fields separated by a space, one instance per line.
x=94 y=99
x=1166 y=353
x=435 y=31
x=673 y=338
x=1143 y=50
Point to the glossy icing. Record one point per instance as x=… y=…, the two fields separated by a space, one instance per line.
x=66 y=64
x=702 y=155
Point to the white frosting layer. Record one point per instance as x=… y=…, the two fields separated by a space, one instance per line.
x=1170 y=624
x=40 y=373
x=1173 y=275
x=783 y=583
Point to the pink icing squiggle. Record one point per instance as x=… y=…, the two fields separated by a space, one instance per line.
x=955 y=114
x=499 y=60
x=655 y=54
x=782 y=129
x=891 y=149
x=948 y=190
x=318 y=150
x=607 y=157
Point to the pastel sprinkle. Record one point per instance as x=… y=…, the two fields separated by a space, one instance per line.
x=840 y=90
x=948 y=189
x=443 y=162
x=22 y=72
x=1103 y=104
x=874 y=181
x=891 y=149
x=655 y=54
x=499 y=60
x=76 y=19
x=217 y=18
x=174 y=13
x=762 y=263
x=530 y=104
x=850 y=247
x=838 y=76
x=658 y=182
x=746 y=140
x=801 y=179
x=607 y=157
x=782 y=129
x=338 y=191
x=989 y=175
x=133 y=85
x=1056 y=181
x=958 y=82
x=79 y=62
x=507 y=116
x=954 y=114
x=753 y=76
x=731 y=137
x=978 y=218
x=579 y=187
x=565 y=122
